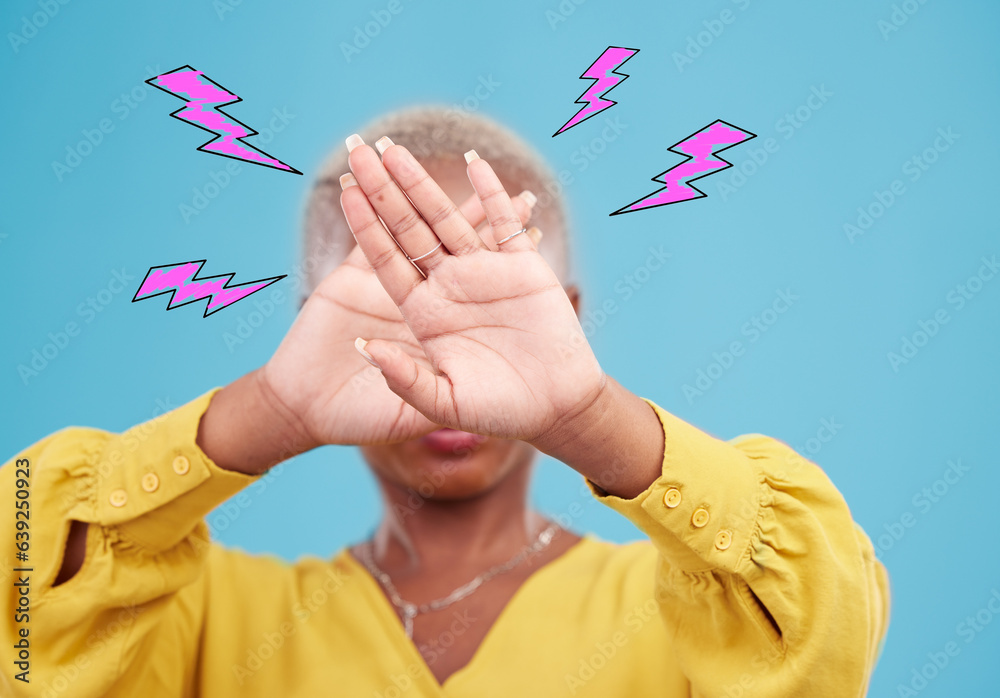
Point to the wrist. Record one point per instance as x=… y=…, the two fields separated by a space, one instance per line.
x=287 y=428
x=585 y=420
x=616 y=441
x=248 y=429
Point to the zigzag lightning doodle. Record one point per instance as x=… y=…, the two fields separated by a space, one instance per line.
x=203 y=101
x=700 y=149
x=179 y=281
x=602 y=72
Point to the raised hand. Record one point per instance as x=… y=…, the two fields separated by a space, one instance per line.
x=317 y=375
x=502 y=350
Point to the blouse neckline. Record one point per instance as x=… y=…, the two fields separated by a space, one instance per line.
x=393 y=626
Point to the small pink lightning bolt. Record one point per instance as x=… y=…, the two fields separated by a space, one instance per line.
x=604 y=73
x=700 y=149
x=179 y=281
x=204 y=99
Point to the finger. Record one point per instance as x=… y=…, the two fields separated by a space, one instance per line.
x=500 y=212
x=395 y=272
x=434 y=206
x=523 y=205
x=405 y=224
x=472 y=209
x=415 y=384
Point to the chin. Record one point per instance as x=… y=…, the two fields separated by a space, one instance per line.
x=448 y=465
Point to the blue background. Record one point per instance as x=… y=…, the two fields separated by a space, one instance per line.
x=781 y=227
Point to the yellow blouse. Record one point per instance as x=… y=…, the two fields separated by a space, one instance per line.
x=756 y=582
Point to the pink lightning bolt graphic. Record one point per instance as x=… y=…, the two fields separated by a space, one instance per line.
x=700 y=149
x=179 y=281
x=604 y=73
x=203 y=101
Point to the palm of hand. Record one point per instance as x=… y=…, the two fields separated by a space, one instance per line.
x=504 y=352
x=501 y=332
x=319 y=376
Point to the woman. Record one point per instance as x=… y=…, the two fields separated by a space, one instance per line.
x=757 y=579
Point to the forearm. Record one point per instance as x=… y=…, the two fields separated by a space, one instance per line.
x=122 y=593
x=242 y=431
x=246 y=428
x=616 y=442
x=754 y=542
x=134 y=506
x=754 y=539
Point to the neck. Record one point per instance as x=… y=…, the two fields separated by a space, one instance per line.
x=420 y=534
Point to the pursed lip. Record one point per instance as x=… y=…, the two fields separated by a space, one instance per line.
x=451 y=440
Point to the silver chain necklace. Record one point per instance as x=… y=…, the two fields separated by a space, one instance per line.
x=410 y=610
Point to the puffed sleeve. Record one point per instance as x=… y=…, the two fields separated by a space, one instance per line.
x=144 y=494
x=764 y=580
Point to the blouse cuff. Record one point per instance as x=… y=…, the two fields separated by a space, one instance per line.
x=155 y=484
x=701 y=512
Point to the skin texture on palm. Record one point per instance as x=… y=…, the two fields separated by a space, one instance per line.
x=493 y=322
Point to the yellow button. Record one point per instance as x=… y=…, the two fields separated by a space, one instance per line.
x=699 y=518
x=181 y=465
x=723 y=540
x=150 y=482
x=672 y=497
x=118 y=498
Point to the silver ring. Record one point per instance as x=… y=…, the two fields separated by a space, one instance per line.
x=414 y=259
x=522 y=230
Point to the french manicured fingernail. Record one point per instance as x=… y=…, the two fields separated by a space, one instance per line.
x=470 y=156
x=382 y=144
x=348 y=180
x=353 y=141
x=528 y=198
x=536 y=235
x=360 y=345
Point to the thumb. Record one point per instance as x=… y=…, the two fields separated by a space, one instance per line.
x=415 y=384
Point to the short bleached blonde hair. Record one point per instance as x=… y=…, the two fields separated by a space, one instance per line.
x=435 y=135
